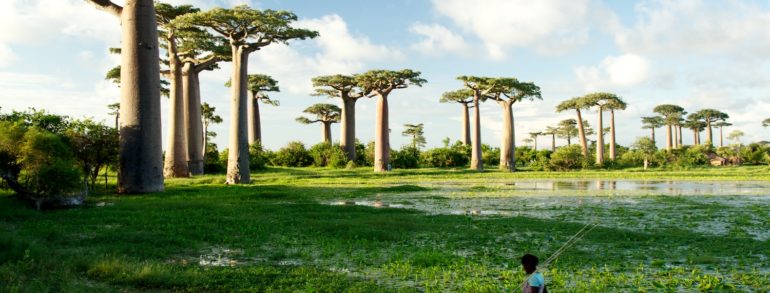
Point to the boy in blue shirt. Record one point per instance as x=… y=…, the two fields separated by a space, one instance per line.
x=535 y=282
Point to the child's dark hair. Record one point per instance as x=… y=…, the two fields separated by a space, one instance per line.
x=529 y=259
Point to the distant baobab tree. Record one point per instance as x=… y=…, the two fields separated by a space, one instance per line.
x=506 y=92
x=651 y=123
x=671 y=115
x=711 y=116
x=343 y=87
x=416 y=133
x=481 y=87
x=463 y=97
x=578 y=104
x=326 y=114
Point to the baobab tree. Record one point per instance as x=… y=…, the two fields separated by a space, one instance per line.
x=141 y=159
x=247 y=30
x=463 y=97
x=671 y=115
x=176 y=151
x=533 y=136
x=416 y=132
x=578 y=104
x=766 y=122
x=259 y=86
x=552 y=131
x=651 y=123
x=481 y=88
x=735 y=136
x=694 y=123
x=115 y=110
x=567 y=130
x=345 y=88
x=711 y=116
x=721 y=125
x=506 y=92
x=209 y=116
x=326 y=114
x=381 y=83
x=614 y=103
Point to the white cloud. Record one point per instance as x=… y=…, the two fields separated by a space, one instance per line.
x=437 y=38
x=550 y=26
x=615 y=71
x=6 y=55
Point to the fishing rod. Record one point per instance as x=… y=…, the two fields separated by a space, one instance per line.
x=571 y=241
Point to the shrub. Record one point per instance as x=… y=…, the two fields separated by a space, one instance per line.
x=258 y=156
x=328 y=155
x=407 y=157
x=567 y=158
x=490 y=156
x=211 y=160
x=445 y=157
x=292 y=155
x=692 y=156
x=362 y=158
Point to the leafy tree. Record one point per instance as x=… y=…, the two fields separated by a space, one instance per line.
x=578 y=104
x=671 y=115
x=646 y=147
x=381 y=83
x=94 y=146
x=209 y=116
x=463 y=97
x=56 y=124
x=766 y=122
x=345 y=88
x=694 y=123
x=247 y=30
x=552 y=131
x=326 y=114
x=481 y=87
x=415 y=131
x=506 y=92
x=735 y=136
x=115 y=110
x=604 y=102
x=614 y=103
x=711 y=116
x=533 y=137
x=141 y=161
x=651 y=123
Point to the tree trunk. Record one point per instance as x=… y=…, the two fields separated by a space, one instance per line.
x=255 y=124
x=326 y=131
x=348 y=127
x=176 y=151
x=612 y=135
x=195 y=141
x=600 y=140
x=476 y=161
x=679 y=136
x=466 y=126
x=507 y=155
x=582 y=134
x=709 y=134
x=141 y=154
x=652 y=136
x=569 y=142
x=646 y=162
x=553 y=142
x=721 y=138
x=238 y=154
x=205 y=138
x=382 y=136
x=669 y=141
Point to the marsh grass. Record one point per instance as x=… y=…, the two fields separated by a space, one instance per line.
x=279 y=234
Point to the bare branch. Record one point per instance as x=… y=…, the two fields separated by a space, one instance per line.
x=108 y=6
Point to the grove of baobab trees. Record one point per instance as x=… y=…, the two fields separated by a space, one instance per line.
x=463 y=97
x=345 y=88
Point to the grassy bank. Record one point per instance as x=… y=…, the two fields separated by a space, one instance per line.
x=281 y=234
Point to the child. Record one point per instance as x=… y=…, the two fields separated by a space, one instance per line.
x=535 y=282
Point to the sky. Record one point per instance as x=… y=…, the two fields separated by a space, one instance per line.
x=697 y=54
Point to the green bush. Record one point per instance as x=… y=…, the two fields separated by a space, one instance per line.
x=292 y=155
x=490 y=156
x=328 y=155
x=368 y=154
x=258 y=156
x=212 y=163
x=405 y=158
x=445 y=157
x=567 y=158
x=693 y=156
x=362 y=158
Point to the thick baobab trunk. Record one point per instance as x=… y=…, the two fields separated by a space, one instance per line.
x=669 y=141
x=569 y=140
x=238 y=153
x=600 y=140
x=679 y=136
x=192 y=97
x=612 y=135
x=709 y=133
x=382 y=136
x=348 y=127
x=695 y=137
x=652 y=135
x=176 y=150
x=582 y=134
x=141 y=155
x=326 y=129
x=476 y=162
x=721 y=138
x=507 y=159
x=553 y=142
x=466 y=126
x=255 y=126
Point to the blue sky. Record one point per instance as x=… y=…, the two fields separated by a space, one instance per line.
x=698 y=54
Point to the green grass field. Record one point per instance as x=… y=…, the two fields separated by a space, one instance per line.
x=296 y=229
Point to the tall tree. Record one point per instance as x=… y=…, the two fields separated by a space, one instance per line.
x=115 y=110
x=381 y=83
x=721 y=125
x=694 y=123
x=176 y=164
x=208 y=116
x=614 y=103
x=533 y=135
x=463 y=97
x=259 y=86
x=326 y=114
x=578 y=104
x=199 y=51
x=345 y=88
x=651 y=123
x=506 y=92
x=247 y=30
x=647 y=147
x=711 y=116
x=568 y=130
x=416 y=132
x=552 y=131
x=481 y=88
x=735 y=136
x=141 y=159
x=671 y=115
